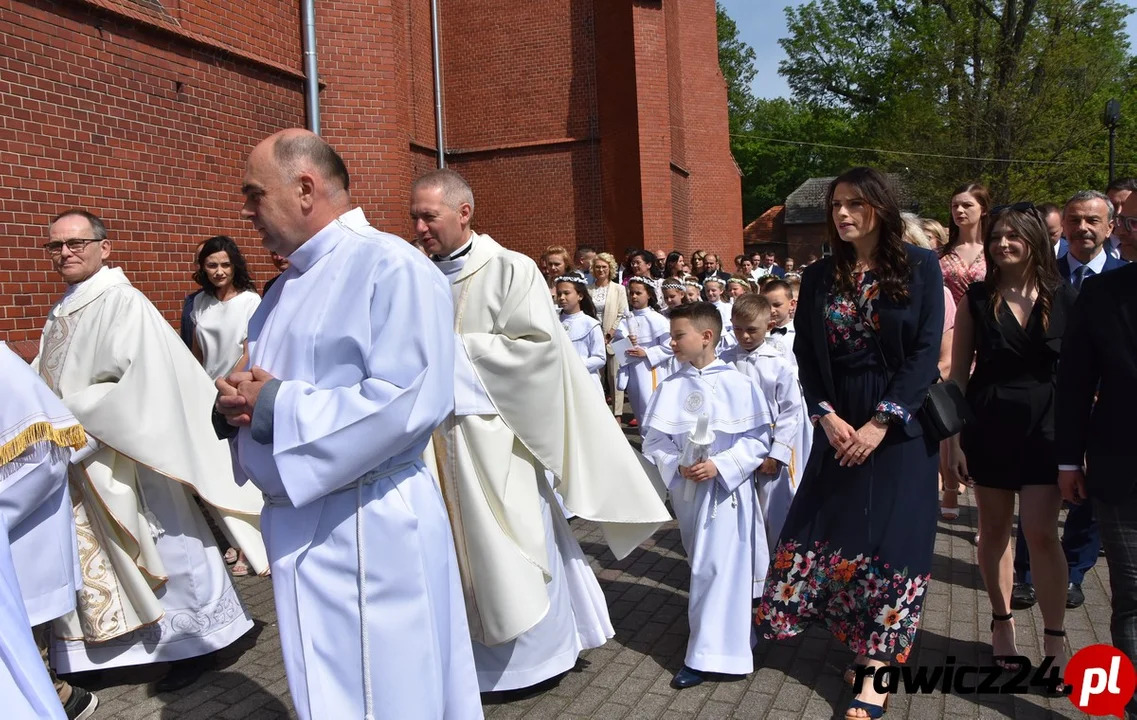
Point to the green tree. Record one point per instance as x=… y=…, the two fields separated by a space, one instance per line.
x=991 y=83
x=772 y=170
x=736 y=59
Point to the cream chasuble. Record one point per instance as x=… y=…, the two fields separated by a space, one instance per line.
x=152 y=587
x=531 y=404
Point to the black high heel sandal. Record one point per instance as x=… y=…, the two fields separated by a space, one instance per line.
x=1059 y=669
x=1002 y=660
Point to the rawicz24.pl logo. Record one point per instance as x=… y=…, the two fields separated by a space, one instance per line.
x=1099 y=679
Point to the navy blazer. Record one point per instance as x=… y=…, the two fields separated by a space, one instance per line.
x=910 y=335
x=1099 y=358
x=1111 y=263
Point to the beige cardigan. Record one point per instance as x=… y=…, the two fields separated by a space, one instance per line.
x=615 y=307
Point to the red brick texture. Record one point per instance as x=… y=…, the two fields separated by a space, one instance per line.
x=576 y=121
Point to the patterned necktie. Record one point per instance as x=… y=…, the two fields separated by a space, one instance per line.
x=1080 y=275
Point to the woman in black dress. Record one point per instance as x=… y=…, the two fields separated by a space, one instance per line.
x=1012 y=325
x=855 y=552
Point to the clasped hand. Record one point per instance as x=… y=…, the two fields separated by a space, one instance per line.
x=237 y=395
x=853 y=446
x=699 y=472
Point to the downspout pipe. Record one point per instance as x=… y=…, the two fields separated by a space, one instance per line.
x=311 y=77
x=439 y=139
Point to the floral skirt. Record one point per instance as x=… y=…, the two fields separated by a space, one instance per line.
x=856 y=550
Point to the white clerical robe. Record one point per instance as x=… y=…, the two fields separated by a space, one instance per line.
x=38 y=554
x=145 y=404
x=641 y=376
x=364 y=575
x=777 y=380
x=524 y=403
x=720 y=523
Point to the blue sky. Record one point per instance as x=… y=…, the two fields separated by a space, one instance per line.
x=762 y=22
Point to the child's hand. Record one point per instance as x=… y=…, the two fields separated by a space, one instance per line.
x=632 y=339
x=770 y=466
x=638 y=352
x=699 y=472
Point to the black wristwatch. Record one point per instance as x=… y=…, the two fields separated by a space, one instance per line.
x=883 y=418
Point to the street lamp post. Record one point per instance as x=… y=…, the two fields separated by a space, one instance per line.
x=1111 y=117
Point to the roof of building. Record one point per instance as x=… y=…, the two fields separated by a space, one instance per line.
x=765 y=227
x=806 y=205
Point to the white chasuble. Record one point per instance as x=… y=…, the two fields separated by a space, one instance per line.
x=155 y=588
x=526 y=404
x=368 y=600
x=720 y=520
x=38 y=558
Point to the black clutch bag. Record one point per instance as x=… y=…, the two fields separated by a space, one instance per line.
x=945 y=411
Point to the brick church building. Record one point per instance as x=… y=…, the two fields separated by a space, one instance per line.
x=600 y=122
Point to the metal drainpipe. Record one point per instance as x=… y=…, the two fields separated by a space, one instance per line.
x=311 y=79
x=439 y=138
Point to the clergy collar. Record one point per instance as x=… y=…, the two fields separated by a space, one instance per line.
x=1097 y=264
x=323 y=242
x=460 y=252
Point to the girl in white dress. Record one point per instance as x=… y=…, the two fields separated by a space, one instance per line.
x=694 y=290
x=649 y=359
x=674 y=295
x=221 y=323
x=578 y=318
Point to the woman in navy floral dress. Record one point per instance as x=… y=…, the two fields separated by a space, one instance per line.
x=855 y=553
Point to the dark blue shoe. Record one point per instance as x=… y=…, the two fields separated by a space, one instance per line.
x=687 y=678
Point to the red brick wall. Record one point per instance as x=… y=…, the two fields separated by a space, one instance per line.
x=576 y=121
x=714 y=185
x=150 y=137
x=618 y=116
x=652 y=88
x=365 y=109
x=801 y=240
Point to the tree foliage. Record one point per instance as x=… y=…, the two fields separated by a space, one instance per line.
x=984 y=84
x=990 y=82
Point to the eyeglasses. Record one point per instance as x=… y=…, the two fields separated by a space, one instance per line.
x=76 y=246
x=1129 y=222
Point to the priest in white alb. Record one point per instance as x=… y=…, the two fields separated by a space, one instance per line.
x=350 y=358
x=155 y=587
x=38 y=557
x=524 y=403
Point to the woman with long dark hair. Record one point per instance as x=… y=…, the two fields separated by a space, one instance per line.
x=220 y=316
x=1011 y=325
x=962 y=258
x=675 y=266
x=855 y=553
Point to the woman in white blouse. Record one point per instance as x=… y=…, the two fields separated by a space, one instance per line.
x=611 y=301
x=221 y=321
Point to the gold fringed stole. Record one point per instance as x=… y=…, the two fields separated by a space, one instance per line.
x=71 y=437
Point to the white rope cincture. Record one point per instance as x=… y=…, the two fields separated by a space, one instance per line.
x=364 y=635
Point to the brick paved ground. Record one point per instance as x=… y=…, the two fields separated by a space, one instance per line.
x=628 y=677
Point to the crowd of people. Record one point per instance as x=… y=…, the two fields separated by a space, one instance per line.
x=397 y=433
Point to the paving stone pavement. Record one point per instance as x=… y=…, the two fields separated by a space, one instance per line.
x=629 y=677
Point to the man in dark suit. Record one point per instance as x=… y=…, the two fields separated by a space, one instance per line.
x=713 y=269
x=1087 y=222
x=770 y=264
x=1096 y=453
